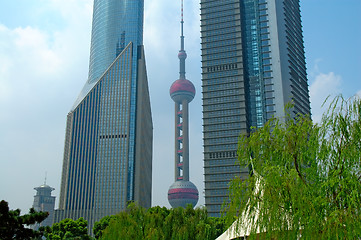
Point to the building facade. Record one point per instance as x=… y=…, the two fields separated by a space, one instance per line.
x=109 y=131
x=253 y=65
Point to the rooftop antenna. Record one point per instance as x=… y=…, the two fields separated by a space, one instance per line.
x=182 y=20
x=45 y=178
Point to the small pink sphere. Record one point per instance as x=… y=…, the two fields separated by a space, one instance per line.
x=182 y=55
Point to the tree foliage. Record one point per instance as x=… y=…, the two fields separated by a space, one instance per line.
x=162 y=223
x=68 y=229
x=12 y=225
x=100 y=226
x=305 y=177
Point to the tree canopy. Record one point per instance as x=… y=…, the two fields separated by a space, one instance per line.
x=100 y=226
x=162 y=223
x=68 y=229
x=13 y=226
x=305 y=177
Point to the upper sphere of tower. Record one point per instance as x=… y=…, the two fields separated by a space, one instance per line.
x=182 y=55
x=182 y=89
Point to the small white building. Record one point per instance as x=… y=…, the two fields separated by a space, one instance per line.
x=44 y=202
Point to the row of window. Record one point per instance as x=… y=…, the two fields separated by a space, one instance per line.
x=221 y=50
x=219 y=192
x=221 y=6
x=217 y=26
x=220 y=93
x=218 y=83
x=236 y=126
x=215 y=38
x=221 y=176
x=209 y=4
x=220 y=19
x=221 y=74
x=218 y=184
x=221 y=120
x=113 y=136
x=219 y=200
x=229 y=154
x=214 y=34
x=218 y=44
x=221 y=53
x=217 y=107
x=223 y=147
x=223 y=140
x=224 y=99
x=223 y=113
x=224 y=133
x=223 y=67
x=221 y=62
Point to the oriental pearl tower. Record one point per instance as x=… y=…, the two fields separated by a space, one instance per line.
x=182 y=192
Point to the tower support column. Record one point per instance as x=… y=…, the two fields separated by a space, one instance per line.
x=176 y=142
x=185 y=140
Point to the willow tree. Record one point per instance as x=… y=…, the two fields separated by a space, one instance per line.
x=161 y=223
x=305 y=177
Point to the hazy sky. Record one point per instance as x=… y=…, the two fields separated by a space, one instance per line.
x=44 y=54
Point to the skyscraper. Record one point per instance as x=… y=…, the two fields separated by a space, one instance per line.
x=108 y=144
x=182 y=192
x=253 y=64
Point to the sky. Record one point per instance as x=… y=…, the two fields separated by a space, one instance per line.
x=44 y=57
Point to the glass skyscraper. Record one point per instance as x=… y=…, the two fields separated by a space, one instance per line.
x=108 y=144
x=253 y=64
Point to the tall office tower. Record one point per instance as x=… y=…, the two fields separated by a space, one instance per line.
x=44 y=202
x=253 y=64
x=182 y=192
x=108 y=144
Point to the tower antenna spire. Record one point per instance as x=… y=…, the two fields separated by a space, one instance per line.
x=182 y=53
x=182 y=20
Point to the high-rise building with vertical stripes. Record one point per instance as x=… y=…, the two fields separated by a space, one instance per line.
x=253 y=64
x=108 y=144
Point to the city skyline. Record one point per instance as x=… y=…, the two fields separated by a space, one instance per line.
x=328 y=71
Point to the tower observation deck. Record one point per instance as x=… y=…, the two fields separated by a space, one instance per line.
x=182 y=192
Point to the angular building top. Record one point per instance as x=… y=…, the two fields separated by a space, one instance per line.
x=115 y=24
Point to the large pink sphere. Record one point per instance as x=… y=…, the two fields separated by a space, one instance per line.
x=182 y=89
x=182 y=193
